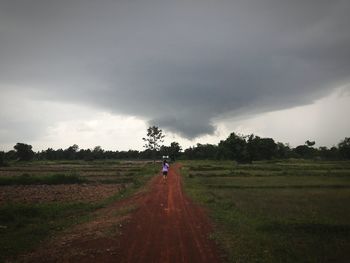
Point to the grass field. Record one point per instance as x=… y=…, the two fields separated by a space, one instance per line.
x=39 y=199
x=280 y=211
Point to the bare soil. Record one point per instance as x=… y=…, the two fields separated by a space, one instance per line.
x=57 y=193
x=160 y=225
x=83 y=171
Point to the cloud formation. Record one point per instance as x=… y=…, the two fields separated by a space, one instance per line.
x=181 y=65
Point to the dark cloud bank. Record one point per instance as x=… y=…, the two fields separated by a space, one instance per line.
x=178 y=64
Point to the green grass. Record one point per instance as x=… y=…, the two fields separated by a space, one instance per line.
x=276 y=218
x=137 y=181
x=25 y=226
x=276 y=168
x=26 y=179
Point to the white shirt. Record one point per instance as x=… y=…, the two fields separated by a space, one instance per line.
x=165 y=167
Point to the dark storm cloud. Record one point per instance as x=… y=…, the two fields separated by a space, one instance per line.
x=178 y=64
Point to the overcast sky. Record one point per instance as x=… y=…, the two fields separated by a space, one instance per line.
x=100 y=72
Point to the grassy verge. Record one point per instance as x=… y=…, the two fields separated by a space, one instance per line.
x=275 y=218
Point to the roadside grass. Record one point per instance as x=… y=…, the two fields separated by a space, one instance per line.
x=138 y=182
x=123 y=211
x=25 y=226
x=276 y=218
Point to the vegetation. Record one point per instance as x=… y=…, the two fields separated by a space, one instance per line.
x=26 y=179
x=344 y=148
x=276 y=211
x=24 y=152
x=173 y=151
x=270 y=202
x=241 y=148
x=154 y=138
x=24 y=225
x=2 y=159
x=245 y=149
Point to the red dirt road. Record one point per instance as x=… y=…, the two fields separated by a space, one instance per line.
x=167 y=227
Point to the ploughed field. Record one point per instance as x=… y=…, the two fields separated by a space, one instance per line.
x=57 y=182
x=38 y=199
x=276 y=211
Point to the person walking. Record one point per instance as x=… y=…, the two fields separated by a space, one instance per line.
x=165 y=170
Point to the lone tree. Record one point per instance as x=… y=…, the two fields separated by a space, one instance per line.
x=310 y=143
x=24 y=151
x=153 y=140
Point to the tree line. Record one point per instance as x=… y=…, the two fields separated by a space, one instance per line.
x=24 y=152
x=241 y=148
x=248 y=148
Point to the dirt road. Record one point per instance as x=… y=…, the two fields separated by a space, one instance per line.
x=168 y=227
x=165 y=227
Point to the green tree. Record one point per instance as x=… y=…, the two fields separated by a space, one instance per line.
x=310 y=143
x=174 y=150
x=98 y=152
x=24 y=152
x=261 y=148
x=10 y=155
x=71 y=152
x=330 y=154
x=201 y=152
x=50 y=154
x=2 y=158
x=234 y=148
x=344 y=148
x=304 y=151
x=154 y=140
x=283 y=150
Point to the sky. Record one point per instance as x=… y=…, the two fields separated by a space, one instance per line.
x=101 y=72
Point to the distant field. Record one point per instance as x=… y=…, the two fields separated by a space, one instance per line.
x=281 y=211
x=38 y=199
